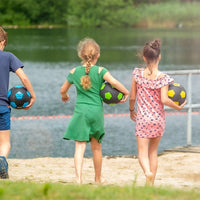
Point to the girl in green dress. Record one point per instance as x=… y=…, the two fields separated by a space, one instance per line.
x=87 y=123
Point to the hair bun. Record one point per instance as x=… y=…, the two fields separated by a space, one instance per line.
x=155 y=44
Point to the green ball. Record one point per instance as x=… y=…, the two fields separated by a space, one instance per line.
x=109 y=94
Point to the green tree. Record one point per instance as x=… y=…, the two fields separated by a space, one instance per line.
x=101 y=13
x=11 y=12
x=46 y=11
x=26 y=12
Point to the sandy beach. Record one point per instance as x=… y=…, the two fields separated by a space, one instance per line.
x=176 y=169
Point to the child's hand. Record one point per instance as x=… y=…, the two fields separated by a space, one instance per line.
x=182 y=105
x=133 y=115
x=125 y=98
x=32 y=101
x=65 y=97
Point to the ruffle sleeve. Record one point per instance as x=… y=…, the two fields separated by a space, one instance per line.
x=148 y=83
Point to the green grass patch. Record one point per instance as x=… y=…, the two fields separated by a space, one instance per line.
x=169 y=14
x=52 y=191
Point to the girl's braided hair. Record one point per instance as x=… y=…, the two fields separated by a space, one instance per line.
x=87 y=49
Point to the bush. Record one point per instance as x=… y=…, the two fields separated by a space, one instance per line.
x=101 y=13
x=169 y=14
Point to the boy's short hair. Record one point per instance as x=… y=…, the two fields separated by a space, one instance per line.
x=3 y=36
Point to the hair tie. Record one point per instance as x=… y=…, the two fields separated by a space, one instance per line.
x=86 y=73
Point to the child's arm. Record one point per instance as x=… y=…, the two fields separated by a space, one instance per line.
x=110 y=79
x=63 y=91
x=27 y=84
x=167 y=101
x=132 y=100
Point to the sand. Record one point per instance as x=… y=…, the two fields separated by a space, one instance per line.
x=176 y=169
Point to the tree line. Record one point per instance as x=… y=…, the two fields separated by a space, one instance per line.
x=74 y=12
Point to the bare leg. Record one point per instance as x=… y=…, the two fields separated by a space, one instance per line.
x=143 y=156
x=78 y=159
x=97 y=159
x=153 y=156
x=4 y=143
x=4 y=151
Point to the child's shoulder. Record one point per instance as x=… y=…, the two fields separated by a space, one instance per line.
x=162 y=75
x=75 y=69
x=72 y=70
x=138 y=71
x=101 y=69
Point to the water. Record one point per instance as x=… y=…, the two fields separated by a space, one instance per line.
x=48 y=56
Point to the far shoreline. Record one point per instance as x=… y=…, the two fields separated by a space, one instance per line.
x=54 y=26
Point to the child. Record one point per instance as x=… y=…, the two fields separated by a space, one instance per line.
x=87 y=123
x=150 y=88
x=8 y=62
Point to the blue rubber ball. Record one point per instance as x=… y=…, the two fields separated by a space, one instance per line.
x=19 y=97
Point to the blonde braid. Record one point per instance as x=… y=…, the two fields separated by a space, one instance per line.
x=85 y=80
x=88 y=49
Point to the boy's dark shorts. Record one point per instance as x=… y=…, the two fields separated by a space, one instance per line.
x=4 y=118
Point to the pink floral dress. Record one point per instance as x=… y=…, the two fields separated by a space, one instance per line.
x=150 y=120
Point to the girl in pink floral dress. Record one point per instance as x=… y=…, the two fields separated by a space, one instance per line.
x=150 y=88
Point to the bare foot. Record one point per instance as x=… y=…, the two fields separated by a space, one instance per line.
x=149 y=179
x=78 y=181
x=99 y=181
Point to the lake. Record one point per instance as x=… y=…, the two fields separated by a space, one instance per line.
x=48 y=56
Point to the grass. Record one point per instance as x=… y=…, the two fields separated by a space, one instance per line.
x=169 y=15
x=53 y=191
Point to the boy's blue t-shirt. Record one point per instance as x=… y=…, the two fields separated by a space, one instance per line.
x=8 y=62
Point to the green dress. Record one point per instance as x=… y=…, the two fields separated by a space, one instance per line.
x=88 y=117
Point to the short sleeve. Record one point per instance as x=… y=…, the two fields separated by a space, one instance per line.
x=70 y=78
x=103 y=72
x=137 y=73
x=15 y=63
x=165 y=80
